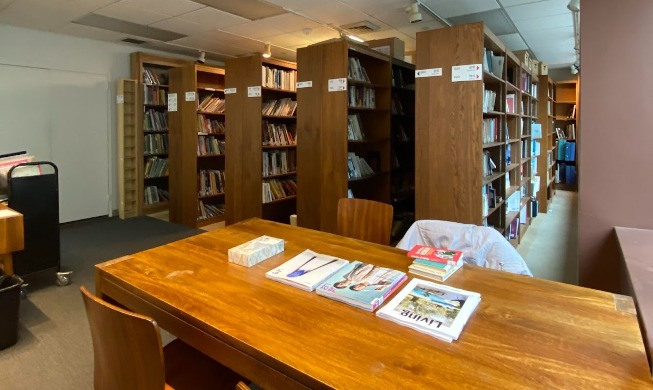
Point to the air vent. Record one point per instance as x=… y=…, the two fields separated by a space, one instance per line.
x=134 y=41
x=362 y=27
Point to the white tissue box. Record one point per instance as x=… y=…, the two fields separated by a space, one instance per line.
x=254 y=251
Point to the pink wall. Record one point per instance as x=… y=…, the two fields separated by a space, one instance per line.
x=616 y=127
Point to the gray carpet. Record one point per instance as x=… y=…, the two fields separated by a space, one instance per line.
x=54 y=349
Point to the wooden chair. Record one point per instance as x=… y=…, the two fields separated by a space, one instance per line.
x=129 y=355
x=365 y=220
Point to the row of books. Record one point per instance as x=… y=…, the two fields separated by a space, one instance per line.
x=210 y=146
x=488 y=164
x=155 y=120
x=212 y=104
x=356 y=71
x=208 y=210
x=435 y=309
x=434 y=263
x=396 y=107
x=150 y=76
x=566 y=150
x=524 y=81
x=280 y=107
x=154 y=195
x=490 y=130
x=155 y=144
x=279 y=162
x=569 y=132
x=493 y=63
x=278 y=134
x=155 y=95
x=488 y=198
x=362 y=97
x=489 y=99
x=399 y=80
x=155 y=167
x=278 y=189
x=357 y=167
x=566 y=173
x=279 y=78
x=355 y=128
x=210 y=182
x=209 y=125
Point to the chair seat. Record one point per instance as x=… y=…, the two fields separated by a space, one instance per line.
x=188 y=368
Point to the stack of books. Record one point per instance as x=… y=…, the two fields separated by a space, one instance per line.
x=434 y=263
x=435 y=309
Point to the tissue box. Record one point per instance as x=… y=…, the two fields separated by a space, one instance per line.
x=254 y=251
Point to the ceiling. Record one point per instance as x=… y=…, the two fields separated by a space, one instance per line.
x=227 y=28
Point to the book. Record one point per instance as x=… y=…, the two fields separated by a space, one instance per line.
x=307 y=270
x=435 y=309
x=441 y=255
x=254 y=251
x=362 y=285
x=431 y=272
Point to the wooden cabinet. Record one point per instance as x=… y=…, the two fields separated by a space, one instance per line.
x=197 y=145
x=151 y=73
x=261 y=123
x=546 y=162
x=473 y=149
x=350 y=88
x=567 y=134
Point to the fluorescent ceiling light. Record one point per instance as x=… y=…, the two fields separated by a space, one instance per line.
x=355 y=38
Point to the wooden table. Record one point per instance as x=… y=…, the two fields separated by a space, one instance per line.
x=11 y=237
x=526 y=333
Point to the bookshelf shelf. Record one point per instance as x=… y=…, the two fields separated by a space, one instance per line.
x=211 y=113
x=209 y=221
x=493 y=177
x=493 y=145
x=209 y=196
x=293 y=173
x=246 y=125
x=323 y=149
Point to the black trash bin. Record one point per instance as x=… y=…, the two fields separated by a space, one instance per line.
x=9 y=304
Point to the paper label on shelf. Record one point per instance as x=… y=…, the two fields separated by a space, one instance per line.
x=120 y=99
x=337 y=85
x=190 y=96
x=172 y=102
x=433 y=72
x=254 y=91
x=469 y=72
x=304 y=84
x=229 y=91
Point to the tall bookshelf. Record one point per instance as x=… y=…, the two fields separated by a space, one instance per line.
x=567 y=132
x=151 y=72
x=486 y=115
x=127 y=150
x=197 y=145
x=328 y=156
x=262 y=133
x=546 y=162
x=402 y=146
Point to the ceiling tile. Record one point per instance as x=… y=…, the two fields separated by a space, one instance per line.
x=511 y=3
x=249 y=9
x=211 y=17
x=296 y=5
x=450 y=8
x=538 y=10
x=288 y=22
x=89 y=32
x=219 y=37
x=167 y=7
x=536 y=24
x=335 y=13
x=375 y=7
x=289 y=40
x=320 y=34
x=88 y=5
x=556 y=35
x=193 y=42
x=397 y=17
x=181 y=26
x=413 y=29
x=513 y=41
x=132 y=14
x=254 y=29
x=122 y=26
x=39 y=14
x=495 y=20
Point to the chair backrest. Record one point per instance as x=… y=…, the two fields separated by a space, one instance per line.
x=127 y=347
x=365 y=220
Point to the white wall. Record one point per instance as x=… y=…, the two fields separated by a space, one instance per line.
x=44 y=51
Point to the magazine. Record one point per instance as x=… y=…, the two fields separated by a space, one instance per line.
x=435 y=309
x=441 y=255
x=362 y=285
x=307 y=270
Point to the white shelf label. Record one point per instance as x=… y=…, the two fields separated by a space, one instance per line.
x=304 y=84
x=433 y=72
x=229 y=91
x=190 y=96
x=471 y=72
x=120 y=99
x=337 y=85
x=172 y=102
x=254 y=91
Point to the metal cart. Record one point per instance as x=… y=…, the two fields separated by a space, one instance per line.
x=33 y=190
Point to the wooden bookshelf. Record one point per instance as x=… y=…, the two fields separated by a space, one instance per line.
x=140 y=63
x=546 y=161
x=451 y=143
x=197 y=136
x=565 y=113
x=323 y=141
x=245 y=150
x=126 y=107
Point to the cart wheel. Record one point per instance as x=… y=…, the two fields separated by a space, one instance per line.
x=63 y=278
